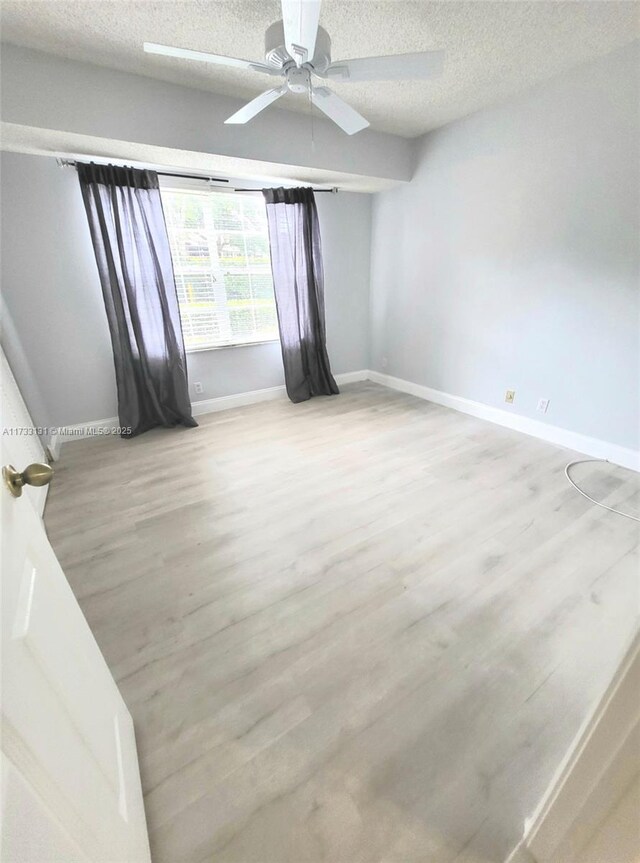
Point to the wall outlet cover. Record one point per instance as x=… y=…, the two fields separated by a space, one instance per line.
x=543 y=405
x=510 y=396
x=197 y=386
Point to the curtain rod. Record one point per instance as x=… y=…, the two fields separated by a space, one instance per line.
x=71 y=163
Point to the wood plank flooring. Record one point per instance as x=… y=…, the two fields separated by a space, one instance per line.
x=361 y=629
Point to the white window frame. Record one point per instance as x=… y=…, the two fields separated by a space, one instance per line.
x=177 y=185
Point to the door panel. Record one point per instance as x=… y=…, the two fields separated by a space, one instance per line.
x=69 y=758
x=32 y=835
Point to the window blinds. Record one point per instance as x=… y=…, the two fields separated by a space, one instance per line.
x=220 y=248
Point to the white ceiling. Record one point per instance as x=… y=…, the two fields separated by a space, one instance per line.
x=494 y=49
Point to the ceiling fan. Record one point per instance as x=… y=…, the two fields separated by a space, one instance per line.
x=296 y=49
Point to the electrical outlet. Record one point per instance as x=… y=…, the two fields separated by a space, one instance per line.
x=385 y=362
x=543 y=405
x=197 y=386
x=510 y=396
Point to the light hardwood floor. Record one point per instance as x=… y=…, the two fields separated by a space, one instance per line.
x=362 y=628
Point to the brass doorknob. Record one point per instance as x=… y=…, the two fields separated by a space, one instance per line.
x=34 y=474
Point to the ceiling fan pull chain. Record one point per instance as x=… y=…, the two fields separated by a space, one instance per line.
x=313 y=140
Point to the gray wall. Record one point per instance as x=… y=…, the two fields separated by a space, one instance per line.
x=48 y=92
x=54 y=315
x=512 y=259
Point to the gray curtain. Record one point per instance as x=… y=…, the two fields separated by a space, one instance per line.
x=298 y=281
x=132 y=251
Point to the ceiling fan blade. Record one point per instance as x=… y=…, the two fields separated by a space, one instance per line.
x=300 y=20
x=187 y=54
x=397 y=67
x=337 y=110
x=249 y=111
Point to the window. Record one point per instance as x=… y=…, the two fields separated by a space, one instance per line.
x=220 y=248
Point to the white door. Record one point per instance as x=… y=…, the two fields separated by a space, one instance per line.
x=70 y=779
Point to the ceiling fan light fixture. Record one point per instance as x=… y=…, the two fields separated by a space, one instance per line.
x=298 y=79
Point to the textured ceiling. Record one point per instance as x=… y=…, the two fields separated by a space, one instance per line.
x=494 y=49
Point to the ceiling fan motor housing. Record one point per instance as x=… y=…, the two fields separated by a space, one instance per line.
x=277 y=55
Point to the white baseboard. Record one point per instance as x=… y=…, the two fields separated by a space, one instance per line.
x=237 y=400
x=353 y=377
x=96 y=428
x=599 y=765
x=554 y=434
x=79 y=431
